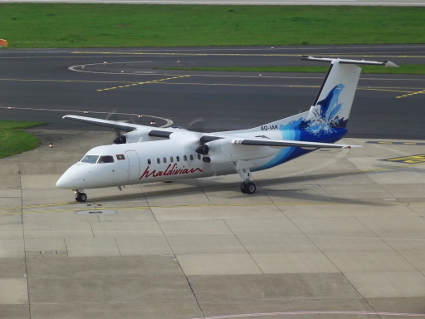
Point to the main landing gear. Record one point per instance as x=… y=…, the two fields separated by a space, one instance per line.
x=80 y=196
x=242 y=167
x=248 y=188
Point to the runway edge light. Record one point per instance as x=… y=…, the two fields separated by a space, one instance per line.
x=3 y=43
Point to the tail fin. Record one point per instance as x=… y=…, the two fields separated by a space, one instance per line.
x=332 y=106
x=326 y=120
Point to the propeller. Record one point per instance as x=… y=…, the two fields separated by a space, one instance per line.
x=119 y=136
x=196 y=125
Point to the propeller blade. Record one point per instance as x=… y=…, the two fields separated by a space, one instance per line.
x=196 y=125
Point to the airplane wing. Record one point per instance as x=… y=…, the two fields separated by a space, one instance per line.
x=122 y=126
x=112 y=124
x=289 y=143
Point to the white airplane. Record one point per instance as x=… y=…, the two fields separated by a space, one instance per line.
x=145 y=154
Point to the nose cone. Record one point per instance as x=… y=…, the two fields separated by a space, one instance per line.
x=71 y=179
x=63 y=182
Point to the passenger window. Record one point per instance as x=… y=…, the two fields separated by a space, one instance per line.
x=185 y=158
x=171 y=159
x=149 y=162
x=90 y=159
x=165 y=160
x=199 y=156
x=158 y=161
x=191 y=157
x=178 y=158
x=106 y=159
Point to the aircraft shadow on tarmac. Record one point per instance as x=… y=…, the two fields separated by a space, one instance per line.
x=289 y=193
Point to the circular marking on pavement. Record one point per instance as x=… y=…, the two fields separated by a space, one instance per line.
x=168 y=122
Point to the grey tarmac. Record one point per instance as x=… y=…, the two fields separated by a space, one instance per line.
x=334 y=234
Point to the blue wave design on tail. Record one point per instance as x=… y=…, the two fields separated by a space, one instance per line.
x=324 y=126
x=325 y=119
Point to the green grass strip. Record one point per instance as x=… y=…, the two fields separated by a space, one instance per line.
x=402 y=69
x=13 y=141
x=30 y=25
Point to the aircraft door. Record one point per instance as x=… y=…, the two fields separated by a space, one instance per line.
x=134 y=165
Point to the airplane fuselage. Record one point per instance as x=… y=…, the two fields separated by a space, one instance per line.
x=147 y=162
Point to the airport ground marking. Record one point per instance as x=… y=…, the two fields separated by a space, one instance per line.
x=167 y=192
x=383 y=90
x=412 y=159
x=410 y=94
x=126 y=84
x=62 y=81
x=138 y=208
x=100 y=208
x=141 y=83
x=168 y=122
x=394 y=143
x=395 y=90
x=246 y=54
x=320 y=313
x=201 y=206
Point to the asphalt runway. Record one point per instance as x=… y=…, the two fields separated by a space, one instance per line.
x=333 y=234
x=46 y=84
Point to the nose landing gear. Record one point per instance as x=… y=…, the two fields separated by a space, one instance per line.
x=80 y=196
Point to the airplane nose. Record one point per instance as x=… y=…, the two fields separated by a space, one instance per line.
x=70 y=179
x=63 y=182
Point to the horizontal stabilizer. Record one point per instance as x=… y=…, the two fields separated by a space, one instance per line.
x=348 y=61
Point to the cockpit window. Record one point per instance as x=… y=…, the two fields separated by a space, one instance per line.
x=90 y=159
x=106 y=159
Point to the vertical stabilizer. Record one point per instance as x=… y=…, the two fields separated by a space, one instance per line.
x=332 y=105
x=327 y=118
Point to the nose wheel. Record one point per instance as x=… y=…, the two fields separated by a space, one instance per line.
x=80 y=197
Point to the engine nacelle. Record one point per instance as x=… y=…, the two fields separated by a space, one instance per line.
x=121 y=139
x=134 y=137
x=224 y=151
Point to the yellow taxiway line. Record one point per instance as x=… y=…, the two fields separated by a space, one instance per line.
x=21 y=209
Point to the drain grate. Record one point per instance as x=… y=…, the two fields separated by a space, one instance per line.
x=96 y=212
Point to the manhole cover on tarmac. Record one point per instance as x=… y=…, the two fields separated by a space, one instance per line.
x=96 y=212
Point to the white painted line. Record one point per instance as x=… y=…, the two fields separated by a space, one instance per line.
x=168 y=122
x=362 y=313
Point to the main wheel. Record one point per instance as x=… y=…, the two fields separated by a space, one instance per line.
x=248 y=188
x=243 y=187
